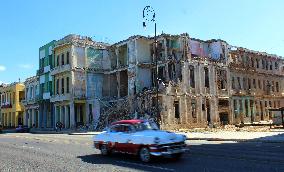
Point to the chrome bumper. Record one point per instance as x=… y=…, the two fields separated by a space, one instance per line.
x=167 y=150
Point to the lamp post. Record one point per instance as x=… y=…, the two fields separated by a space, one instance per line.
x=149 y=16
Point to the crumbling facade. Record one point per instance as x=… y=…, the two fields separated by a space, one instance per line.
x=31 y=115
x=75 y=83
x=196 y=83
x=200 y=83
x=256 y=84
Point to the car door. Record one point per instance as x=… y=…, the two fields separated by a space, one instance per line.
x=115 y=138
x=127 y=139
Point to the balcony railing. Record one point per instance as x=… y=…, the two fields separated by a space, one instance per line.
x=60 y=69
x=60 y=97
x=6 y=106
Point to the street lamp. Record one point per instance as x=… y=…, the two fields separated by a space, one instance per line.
x=149 y=16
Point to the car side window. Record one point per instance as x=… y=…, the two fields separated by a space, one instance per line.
x=121 y=128
x=116 y=128
x=128 y=129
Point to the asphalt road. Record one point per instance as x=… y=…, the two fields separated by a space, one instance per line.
x=55 y=152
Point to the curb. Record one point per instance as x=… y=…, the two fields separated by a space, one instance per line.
x=238 y=140
x=78 y=134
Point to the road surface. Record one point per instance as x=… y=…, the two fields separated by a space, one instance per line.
x=61 y=152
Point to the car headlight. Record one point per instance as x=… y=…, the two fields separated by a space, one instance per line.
x=184 y=137
x=156 y=140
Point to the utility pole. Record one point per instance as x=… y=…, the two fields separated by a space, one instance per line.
x=149 y=16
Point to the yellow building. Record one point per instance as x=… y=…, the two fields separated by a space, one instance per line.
x=11 y=108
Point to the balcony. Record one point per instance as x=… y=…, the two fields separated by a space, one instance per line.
x=46 y=69
x=5 y=106
x=60 y=97
x=29 y=101
x=46 y=96
x=223 y=93
x=39 y=72
x=60 y=69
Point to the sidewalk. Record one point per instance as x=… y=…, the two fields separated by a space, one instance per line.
x=274 y=136
x=63 y=131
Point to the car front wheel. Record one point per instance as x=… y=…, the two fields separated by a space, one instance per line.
x=177 y=156
x=145 y=155
x=104 y=150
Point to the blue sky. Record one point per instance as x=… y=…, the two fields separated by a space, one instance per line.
x=27 y=25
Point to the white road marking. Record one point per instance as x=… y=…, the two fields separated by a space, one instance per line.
x=30 y=147
x=149 y=166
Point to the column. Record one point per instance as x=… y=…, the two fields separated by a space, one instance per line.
x=26 y=119
x=200 y=79
x=29 y=118
x=253 y=111
x=44 y=117
x=189 y=110
x=40 y=115
x=244 y=109
x=16 y=114
x=62 y=114
x=66 y=122
x=87 y=113
x=238 y=108
x=55 y=115
x=249 y=110
x=199 y=113
x=5 y=119
x=33 y=117
x=72 y=115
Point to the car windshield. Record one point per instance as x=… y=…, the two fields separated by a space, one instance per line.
x=147 y=125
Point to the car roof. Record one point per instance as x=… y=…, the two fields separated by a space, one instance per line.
x=131 y=121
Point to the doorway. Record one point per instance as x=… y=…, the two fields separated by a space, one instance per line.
x=224 y=118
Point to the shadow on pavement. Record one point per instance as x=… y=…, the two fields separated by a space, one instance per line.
x=130 y=161
x=209 y=156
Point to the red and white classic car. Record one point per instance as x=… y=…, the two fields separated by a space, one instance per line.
x=140 y=137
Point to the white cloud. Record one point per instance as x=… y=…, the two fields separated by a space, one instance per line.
x=2 y=68
x=25 y=66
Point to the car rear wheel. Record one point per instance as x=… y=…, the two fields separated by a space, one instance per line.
x=104 y=150
x=145 y=155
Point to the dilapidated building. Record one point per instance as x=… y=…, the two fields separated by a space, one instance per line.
x=200 y=83
x=75 y=83
x=31 y=115
x=197 y=82
x=256 y=85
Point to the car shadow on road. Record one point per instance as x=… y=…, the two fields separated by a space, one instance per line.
x=131 y=161
x=261 y=154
